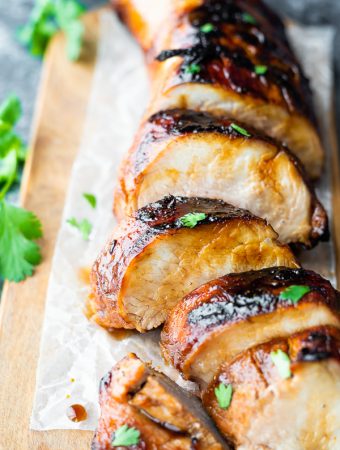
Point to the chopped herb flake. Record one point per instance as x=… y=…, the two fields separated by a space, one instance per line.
x=191 y=220
x=193 y=68
x=248 y=18
x=84 y=226
x=207 y=27
x=224 y=393
x=125 y=436
x=282 y=362
x=240 y=130
x=294 y=293
x=91 y=199
x=260 y=70
x=48 y=17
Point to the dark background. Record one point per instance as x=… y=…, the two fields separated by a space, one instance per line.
x=20 y=73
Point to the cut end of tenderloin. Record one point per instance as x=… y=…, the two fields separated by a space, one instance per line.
x=267 y=410
x=169 y=248
x=164 y=416
x=226 y=316
x=190 y=154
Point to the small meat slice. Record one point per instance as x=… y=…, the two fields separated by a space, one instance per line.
x=169 y=248
x=243 y=68
x=226 y=316
x=195 y=154
x=270 y=412
x=164 y=416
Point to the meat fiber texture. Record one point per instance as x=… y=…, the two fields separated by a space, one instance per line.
x=71 y=346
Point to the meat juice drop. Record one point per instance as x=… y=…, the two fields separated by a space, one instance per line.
x=76 y=413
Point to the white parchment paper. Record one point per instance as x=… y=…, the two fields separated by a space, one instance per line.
x=76 y=353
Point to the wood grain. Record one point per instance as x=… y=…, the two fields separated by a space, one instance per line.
x=60 y=114
x=58 y=123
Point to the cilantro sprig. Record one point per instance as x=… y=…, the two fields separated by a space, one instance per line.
x=46 y=19
x=19 y=228
x=240 y=130
x=193 y=68
x=83 y=226
x=282 y=363
x=125 y=436
x=294 y=293
x=224 y=393
x=91 y=199
x=207 y=27
x=261 y=69
x=190 y=220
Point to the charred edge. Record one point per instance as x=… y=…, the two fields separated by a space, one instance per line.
x=294 y=86
x=166 y=425
x=166 y=213
x=181 y=121
x=254 y=293
x=317 y=347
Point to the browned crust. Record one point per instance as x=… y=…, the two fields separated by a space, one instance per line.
x=254 y=368
x=234 y=298
x=124 y=401
x=164 y=125
x=229 y=53
x=134 y=235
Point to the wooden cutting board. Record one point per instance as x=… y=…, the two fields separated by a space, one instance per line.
x=58 y=123
x=59 y=118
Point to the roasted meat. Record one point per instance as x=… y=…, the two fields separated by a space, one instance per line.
x=297 y=411
x=230 y=58
x=227 y=316
x=153 y=409
x=169 y=248
x=195 y=154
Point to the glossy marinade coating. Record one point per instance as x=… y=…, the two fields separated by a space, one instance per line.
x=152 y=260
x=267 y=411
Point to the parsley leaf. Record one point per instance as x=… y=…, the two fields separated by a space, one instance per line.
x=260 y=70
x=91 y=199
x=282 y=362
x=19 y=253
x=125 y=436
x=294 y=293
x=207 y=28
x=190 y=220
x=84 y=226
x=193 y=68
x=48 y=17
x=248 y=18
x=12 y=148
x=240 y=130
x=224 y=393
x=10 y=110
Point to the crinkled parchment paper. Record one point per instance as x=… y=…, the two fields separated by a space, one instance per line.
x=76 y=353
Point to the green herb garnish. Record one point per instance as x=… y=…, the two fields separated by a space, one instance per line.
x=192 y=68
x=190 y=220
x=91 y=199
x=84 y=226
x=248 y=18
x=125 y=436
x=240 y=130
x=224 y=393
x=207 y=28
x=18 y=251
x=19 y=228
x=282 y=363
x=46 y=19
x=260 y=70
x=294 y=293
